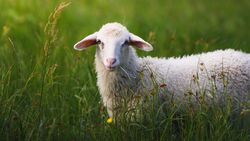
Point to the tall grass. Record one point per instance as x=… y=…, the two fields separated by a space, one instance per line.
x=48 y=91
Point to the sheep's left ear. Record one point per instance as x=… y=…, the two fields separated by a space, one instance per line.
x=140 y=43
x=86 y=42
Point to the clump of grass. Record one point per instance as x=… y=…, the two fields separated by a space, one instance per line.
x=51 y=35
x=25 y=106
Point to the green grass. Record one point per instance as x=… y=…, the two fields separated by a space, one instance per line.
x=48 y=90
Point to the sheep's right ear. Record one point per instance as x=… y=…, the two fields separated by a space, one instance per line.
x=86 y=42
x=140 y=43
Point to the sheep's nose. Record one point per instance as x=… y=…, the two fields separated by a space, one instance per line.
x=111 y=61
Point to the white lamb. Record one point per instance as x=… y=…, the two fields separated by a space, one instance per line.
x=121 y=73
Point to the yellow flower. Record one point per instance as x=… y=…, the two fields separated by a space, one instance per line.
x=109 y=120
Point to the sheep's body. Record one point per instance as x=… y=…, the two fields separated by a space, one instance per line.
x=209 y=74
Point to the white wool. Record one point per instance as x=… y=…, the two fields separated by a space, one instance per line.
x=212 y=73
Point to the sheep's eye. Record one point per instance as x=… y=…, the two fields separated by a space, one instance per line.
x=100 y=43
x=125 y=43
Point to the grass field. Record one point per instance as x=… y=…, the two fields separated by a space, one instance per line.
x=48 y=90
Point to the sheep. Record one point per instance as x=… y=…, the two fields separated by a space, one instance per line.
x=121 y=73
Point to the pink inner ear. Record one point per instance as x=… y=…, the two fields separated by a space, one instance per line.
x=85 y=43
x=137 y=44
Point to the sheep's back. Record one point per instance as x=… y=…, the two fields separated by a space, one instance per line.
x=213 y=72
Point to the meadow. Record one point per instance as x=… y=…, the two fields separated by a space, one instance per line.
x=48 y=90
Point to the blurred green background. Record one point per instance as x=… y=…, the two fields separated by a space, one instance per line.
x=48 y=90
x=174 y=27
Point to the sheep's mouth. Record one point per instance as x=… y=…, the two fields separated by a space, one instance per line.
x=110 y=68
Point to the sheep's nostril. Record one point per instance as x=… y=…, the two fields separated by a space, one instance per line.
x=111 y=61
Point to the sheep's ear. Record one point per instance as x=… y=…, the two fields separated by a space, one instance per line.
x=86 y=42
x=140 y=43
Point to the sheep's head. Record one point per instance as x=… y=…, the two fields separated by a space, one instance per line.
x=113 y=41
